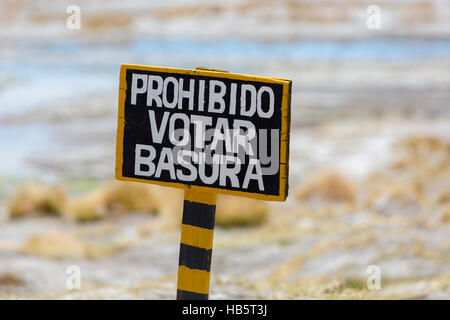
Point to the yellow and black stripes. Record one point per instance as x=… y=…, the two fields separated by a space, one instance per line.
x=197 y=233
x=195 y=257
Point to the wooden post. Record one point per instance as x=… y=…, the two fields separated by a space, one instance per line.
x=197 y=231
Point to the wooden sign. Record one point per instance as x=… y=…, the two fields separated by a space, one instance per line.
x=204 y=130
x=207 y=132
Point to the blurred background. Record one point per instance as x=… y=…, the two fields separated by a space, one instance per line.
x=369 y=164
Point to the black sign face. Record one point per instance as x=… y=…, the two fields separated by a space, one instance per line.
x=204 y=130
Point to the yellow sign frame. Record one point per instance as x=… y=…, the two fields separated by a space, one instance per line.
x=285 y=129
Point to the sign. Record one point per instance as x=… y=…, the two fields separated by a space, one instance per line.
x=204 y=130
x=207 y=132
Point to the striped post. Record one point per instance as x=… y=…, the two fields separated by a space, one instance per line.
x=197 y=231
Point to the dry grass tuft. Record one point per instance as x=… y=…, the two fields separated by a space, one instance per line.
x=85 y=208
x=445 y=214
x=240 y=212
x=124 y=197
x=107 y=20
x=393 y=198
x=56 y=245
x=35 y=199
x=355 y=283
x=96 y=251
x=422 y=154
x=328 y=12
x=170 y=212
x=63 y=245
x=109 y=200
x=189 y=11
x=333 y=287
x=9 y=280
x=443 y=197
x=115 y=199
x=171 y=208
x=327 y=186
